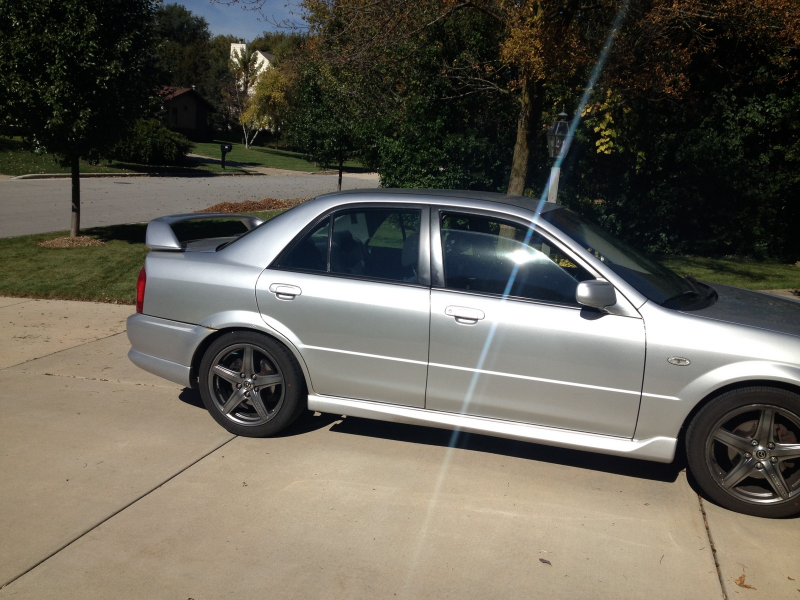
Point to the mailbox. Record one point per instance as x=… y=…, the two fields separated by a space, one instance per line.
x=225 y=148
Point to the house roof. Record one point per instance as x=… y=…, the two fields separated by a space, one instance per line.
x=170 y=93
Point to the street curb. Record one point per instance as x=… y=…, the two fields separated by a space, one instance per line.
x=97 y=175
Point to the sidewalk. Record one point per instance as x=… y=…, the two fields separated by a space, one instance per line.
x=117 y=484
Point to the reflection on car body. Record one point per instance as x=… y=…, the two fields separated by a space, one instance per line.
x=484 y=313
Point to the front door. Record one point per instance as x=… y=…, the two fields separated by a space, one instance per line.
x=350 y=296
x=508 y=340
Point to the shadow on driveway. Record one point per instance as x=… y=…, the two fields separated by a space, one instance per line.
x=416 y=434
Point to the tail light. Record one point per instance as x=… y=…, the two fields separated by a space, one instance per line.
x=140 y=285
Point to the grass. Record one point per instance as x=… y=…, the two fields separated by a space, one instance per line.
x=108 y=273
x=97 y=273
x=266 y=157
x=754 y=275
x=17 y=159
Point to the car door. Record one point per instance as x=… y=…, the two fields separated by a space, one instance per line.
x=509 y=341
x=350 y=293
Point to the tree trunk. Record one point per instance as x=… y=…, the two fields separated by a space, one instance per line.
x=75 y=226
x=341 y=163
x=530 y=115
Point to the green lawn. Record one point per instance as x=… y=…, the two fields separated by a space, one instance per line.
x=108 y=273
x=266 y=157
x=16 y=159
x=750 y=274
x=99 y=273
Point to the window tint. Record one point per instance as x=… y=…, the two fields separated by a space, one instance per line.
x=376 y=243
x=485 y=255
x=310 y=253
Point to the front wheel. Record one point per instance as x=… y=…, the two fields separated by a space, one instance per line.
x=743 y=449
x=251 y=384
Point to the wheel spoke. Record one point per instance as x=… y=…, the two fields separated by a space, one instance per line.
x=247 y=362
x=739 y=472
x=776 y=480
x=269 y=380
x=226 y=374
x=258 y=404
x=766 y=426
x=736 y=442
x=235 y=400
x=786 y=451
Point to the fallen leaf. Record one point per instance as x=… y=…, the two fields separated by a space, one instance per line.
x=791 y=578
x=740 y=582
x=545 y=561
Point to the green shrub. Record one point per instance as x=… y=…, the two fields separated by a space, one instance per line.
x=150 y=143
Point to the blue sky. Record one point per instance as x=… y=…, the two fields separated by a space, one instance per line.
x=234 y=20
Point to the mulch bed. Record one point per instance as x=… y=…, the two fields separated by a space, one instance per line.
x=82 y=241
x=253 y=205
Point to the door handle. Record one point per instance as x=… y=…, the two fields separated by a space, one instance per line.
x=463 y=315
x=284 y=291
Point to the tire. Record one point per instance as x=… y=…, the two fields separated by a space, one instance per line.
x=743 y=449
x=263 y=402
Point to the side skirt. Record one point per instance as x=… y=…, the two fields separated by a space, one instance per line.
x=659 y=449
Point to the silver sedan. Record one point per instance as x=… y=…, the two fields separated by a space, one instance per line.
x=481 y=313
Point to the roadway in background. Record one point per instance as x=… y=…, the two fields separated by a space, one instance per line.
x=42 y=205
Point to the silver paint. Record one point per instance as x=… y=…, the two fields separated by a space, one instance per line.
x=552 y=373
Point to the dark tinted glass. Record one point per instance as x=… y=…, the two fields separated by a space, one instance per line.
x=651 y=279
x=486 y=255
x=376 y=243
x=311 y=252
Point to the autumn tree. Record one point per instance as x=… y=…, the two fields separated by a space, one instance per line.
x=75 y=75
x=269 y=105
x=238 y=94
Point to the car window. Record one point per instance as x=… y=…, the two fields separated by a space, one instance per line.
x=486 y=255
x=376 y=243
x=311 y=252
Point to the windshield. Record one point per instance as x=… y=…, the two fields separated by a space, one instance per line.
x=651 y=279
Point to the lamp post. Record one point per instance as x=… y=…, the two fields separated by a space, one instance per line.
x=557 y=145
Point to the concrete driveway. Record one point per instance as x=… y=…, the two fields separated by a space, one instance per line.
x=30 y=206
x=116 y=484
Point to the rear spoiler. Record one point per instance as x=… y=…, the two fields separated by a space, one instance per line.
x=160 y=235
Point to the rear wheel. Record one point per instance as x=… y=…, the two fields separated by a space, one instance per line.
x=744 y=450
x=251 y=384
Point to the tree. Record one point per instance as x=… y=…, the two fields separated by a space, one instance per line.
x=237 y=94
x=269 y=105
x=75 y=75
x=547 y=45
x=183 y=47
x=322 y=121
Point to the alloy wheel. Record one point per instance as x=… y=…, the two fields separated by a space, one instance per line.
x=246 y=384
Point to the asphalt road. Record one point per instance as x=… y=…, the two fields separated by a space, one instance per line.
x=117 y=484
x=40 y=205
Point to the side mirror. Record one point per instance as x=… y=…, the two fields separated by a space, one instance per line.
x=597 y=294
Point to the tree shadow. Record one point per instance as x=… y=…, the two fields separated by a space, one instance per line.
x=132 y=233
x=415 y=434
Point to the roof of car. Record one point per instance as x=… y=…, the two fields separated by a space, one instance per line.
x=532 y=204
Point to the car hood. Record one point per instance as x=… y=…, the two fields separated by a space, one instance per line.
x=754 y=309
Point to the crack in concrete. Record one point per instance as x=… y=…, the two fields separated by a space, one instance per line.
x=167 y=387
x=63 y=350
x=116 y=512
x=713 y=548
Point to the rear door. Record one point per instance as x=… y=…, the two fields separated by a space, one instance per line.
x=353 y=293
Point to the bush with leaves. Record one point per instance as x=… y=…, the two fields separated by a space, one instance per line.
x=150 y=143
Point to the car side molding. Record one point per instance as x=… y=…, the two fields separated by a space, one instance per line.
x=160 y=235
x=659 y=449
